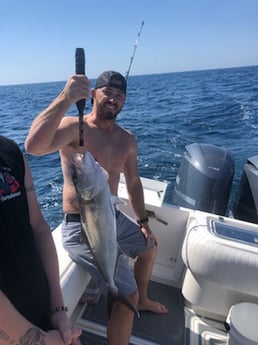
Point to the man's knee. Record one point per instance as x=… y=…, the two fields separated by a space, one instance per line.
x=121 y=306
x=134 y=298
x=149 y=254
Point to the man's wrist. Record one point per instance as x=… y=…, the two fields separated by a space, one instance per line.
x=142 y=221
x=59 y=308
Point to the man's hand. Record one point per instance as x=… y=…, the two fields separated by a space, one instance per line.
x=77 y=87
x=148 y=234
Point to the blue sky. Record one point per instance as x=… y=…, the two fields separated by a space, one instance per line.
x=38 y=38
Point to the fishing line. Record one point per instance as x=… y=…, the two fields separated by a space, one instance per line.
x=134 y=50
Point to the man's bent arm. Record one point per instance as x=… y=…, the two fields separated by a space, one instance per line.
x=43 y=131
x=44 y=135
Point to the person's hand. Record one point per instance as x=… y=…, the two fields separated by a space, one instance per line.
x=148 y=234
x=77 y=87
x=69 y=333
x=54 y=337
x=76 y=332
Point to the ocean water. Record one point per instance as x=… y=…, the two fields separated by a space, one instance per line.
x=165 y=112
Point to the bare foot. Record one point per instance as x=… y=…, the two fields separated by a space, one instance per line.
x=152 y=306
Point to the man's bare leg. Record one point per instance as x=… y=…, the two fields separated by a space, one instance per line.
x=120 y=325
x=143 y=270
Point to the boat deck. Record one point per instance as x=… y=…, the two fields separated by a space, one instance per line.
x=180 y=326
x=148 y=329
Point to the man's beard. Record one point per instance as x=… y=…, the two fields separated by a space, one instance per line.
x=109 y=115
x=106 y=114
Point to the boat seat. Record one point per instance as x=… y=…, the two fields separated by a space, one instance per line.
x=73 y=278
x=220 y=255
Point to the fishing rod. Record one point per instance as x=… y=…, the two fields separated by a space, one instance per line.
x=135 y=47
x=80 y=69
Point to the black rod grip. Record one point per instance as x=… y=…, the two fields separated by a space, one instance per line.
x=80 y=69
x=80 y=61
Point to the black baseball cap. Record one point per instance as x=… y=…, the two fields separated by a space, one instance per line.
x=111 y=79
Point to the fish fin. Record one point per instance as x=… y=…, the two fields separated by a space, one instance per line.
x=113 y=298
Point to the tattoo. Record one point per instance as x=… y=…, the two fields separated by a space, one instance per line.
x=6 y=337
x=34 y=336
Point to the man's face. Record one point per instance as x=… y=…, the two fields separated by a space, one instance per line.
x=109 y=102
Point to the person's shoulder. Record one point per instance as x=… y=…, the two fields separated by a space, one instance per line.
x=10 y=145
x=68 y=119
x=127 y=137
x=125 y=131
x=8 y=141
x=70 y=123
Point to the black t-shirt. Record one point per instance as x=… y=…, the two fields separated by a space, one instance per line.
x=22 y=276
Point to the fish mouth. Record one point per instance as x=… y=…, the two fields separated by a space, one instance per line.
x=76 y=167
x=77 y=159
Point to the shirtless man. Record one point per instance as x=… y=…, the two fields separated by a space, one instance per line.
x=116 y=150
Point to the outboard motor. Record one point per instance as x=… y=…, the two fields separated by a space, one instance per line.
x=246 y=203
x=204 y=179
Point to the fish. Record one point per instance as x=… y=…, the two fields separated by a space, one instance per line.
x=98 y=218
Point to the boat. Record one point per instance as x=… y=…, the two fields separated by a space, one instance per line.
x=207 y=263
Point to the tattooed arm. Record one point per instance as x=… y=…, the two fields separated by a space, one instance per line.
x=16 y=330
x=47 y=251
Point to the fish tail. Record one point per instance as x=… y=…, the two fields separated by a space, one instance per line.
x=114 y=297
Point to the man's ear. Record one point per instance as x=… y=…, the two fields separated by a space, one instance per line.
x=93 y=93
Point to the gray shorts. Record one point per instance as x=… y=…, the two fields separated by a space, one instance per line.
x=131 y=241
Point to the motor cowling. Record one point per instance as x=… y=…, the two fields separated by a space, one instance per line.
x=204 y=178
